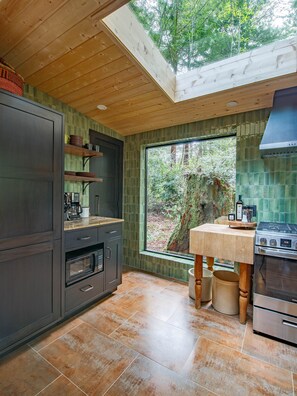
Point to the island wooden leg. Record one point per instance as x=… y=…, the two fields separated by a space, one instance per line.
x=198 y=280
x=244 y=287
x=210 y=262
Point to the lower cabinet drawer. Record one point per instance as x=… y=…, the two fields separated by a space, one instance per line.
x=84 y=291
x=80 y=238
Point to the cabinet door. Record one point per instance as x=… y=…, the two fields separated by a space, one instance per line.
x=31 y=169
x=30 y=290
x=113 y=263
x=111 y=235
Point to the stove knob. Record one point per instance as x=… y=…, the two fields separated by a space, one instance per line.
x=273 y=242
x=263 y=241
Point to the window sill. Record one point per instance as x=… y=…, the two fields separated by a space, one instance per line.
x=168 y=257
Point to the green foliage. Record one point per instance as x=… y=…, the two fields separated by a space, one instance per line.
x=191 y=33
x=168 y=168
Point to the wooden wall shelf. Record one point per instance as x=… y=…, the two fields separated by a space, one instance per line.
x=82 y=179
x=80 y=151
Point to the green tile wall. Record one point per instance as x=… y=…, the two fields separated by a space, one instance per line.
x=75 y=124
x=271 y=183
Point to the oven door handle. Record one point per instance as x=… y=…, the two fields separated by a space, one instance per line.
x=275 y=253
x=290 y=324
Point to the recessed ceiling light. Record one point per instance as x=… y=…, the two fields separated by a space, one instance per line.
x=102 y=107
x=232 y=103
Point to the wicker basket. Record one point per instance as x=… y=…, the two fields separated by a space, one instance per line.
x=9 y=79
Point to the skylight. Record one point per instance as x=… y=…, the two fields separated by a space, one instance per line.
x=193 y=33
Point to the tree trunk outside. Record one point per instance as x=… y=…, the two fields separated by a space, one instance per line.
x=205 y=200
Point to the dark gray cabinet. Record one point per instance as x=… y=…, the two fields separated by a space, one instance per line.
x=31 y=185
x=111 y=236
x=85 y=291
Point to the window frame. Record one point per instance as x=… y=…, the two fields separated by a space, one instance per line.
x=171 y=143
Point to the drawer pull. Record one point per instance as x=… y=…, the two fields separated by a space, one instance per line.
x=84 y=238
x=87 y=288
x=111 y=232
x=290 y=324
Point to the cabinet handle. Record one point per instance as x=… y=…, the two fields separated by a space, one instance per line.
x=84 y=238
x=108 y=256
x=111 y=232
x=87 y=288
x=290 y=324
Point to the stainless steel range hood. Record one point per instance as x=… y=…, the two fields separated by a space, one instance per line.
x=280 y=135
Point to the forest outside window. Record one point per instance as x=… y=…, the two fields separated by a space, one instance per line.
x=187 y=184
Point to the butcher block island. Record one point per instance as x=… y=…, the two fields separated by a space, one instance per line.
x=222 y=242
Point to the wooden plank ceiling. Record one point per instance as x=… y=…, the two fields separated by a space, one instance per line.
x=62 y=48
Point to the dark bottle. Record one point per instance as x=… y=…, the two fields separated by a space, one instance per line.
x=239 y=207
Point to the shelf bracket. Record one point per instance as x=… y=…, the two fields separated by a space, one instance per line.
x=85 y=161
x=85 y=185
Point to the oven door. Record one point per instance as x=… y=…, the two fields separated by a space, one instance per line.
x=275 y=274
x=83 y=263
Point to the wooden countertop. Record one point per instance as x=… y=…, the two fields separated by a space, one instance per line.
x=223 y=242
x=92 y=221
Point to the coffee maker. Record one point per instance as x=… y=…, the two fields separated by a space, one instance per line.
x=72 y=208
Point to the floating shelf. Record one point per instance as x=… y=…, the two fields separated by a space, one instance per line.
x=80 y=151
x=82 y=179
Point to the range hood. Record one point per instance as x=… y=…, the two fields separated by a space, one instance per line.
x=280 y=135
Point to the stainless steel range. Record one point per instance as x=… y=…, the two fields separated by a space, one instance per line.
x=275 y=281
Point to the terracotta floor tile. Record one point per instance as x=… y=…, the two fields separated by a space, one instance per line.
x=295 y=383
x=271 y=351
x=228 y=372
x=149 y=279
x=180 y=288
x=103 y=318
x=53 y=334
x=218 y=327
x=129 y=302
x=127 y=284
x=24 y=372
x=156 y=339
x=61 y=387
x=147 y=378
x=91 y=360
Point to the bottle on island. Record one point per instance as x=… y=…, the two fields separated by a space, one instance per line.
x=239 y=206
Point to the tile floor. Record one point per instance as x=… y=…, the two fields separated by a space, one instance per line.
x=148 y=339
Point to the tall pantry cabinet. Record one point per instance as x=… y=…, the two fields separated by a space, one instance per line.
x=31 y=197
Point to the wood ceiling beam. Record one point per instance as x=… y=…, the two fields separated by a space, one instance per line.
x=124 y=27
x=270 y=61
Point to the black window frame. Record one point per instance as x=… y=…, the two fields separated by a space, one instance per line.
x=151 y=146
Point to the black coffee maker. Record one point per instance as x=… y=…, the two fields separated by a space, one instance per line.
x=72 y=208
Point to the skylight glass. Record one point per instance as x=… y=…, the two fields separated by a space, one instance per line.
x=193 y=33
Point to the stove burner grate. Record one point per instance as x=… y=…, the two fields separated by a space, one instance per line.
x=282 y=228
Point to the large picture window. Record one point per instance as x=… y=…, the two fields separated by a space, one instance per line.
x=187 y=184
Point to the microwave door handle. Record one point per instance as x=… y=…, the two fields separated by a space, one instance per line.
x=94 y=260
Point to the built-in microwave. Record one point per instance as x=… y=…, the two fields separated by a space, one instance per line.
x=82 y=263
